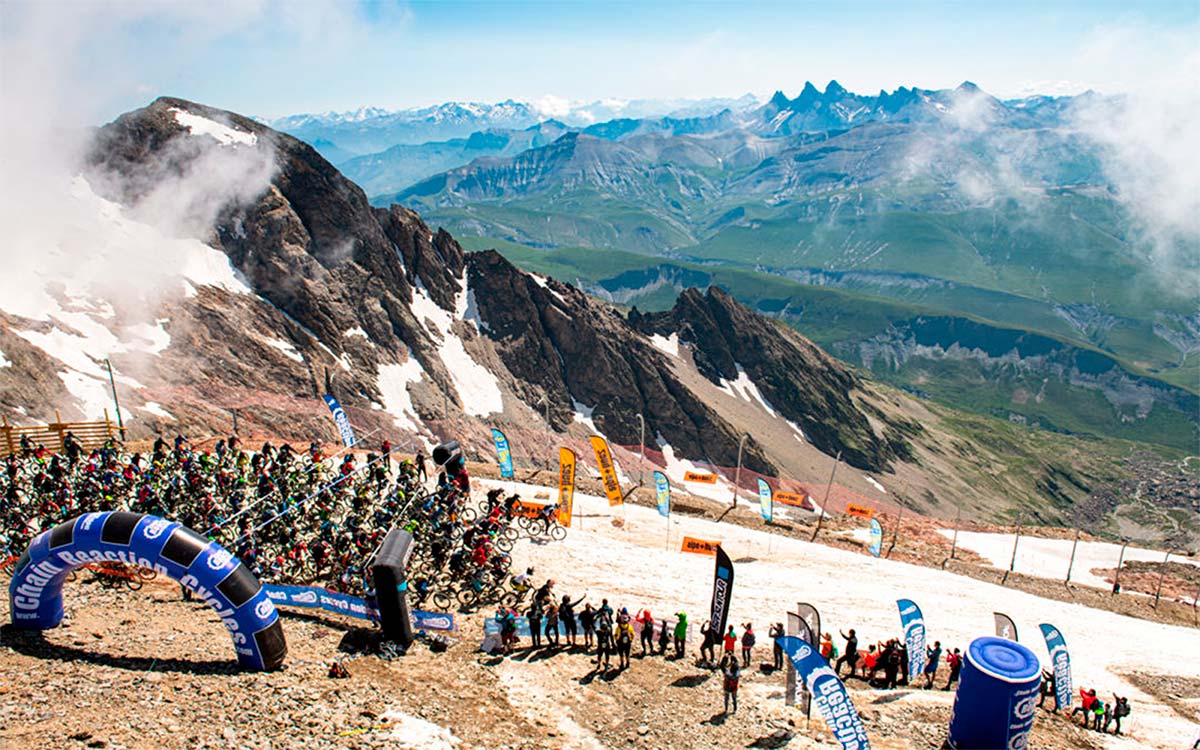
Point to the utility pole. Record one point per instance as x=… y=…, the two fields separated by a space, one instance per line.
x=1161 y=575
x=954 y=542
x=545 y=400
x=895 y=531
x=737 y=476
x=1013 y=563
x=641 y=450
x=113 y=384
x=825 y=502
x=1071 y=564
x=1120 y=561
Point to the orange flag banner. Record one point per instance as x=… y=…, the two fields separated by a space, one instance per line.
x=700 y=546
x=566 y=485
x=608 y=472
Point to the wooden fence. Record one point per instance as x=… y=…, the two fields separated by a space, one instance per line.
x=89 y=434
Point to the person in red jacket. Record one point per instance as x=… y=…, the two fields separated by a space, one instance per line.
x=1087 y=699
x=730 y=643
x=954 y=661
x=646 y=620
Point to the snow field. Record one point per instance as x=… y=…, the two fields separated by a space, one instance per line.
x=1050 y=558
x=638 y=564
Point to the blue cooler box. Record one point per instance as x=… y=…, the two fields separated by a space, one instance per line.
x=996 y=698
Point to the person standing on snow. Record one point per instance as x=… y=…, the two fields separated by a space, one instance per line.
x=664 y=638
x=1120 y=709
x=748 y=641
x=729 y=644
x=708 y=646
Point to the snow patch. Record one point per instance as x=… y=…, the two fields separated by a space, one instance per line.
x=287 y=348
x=393 y=382
x=357 y=331
x=875 y=484
x=542 y=281
x=4 y=362
x=471 y=313
x=583 y=415
x=677 y=467
x=153 y=407
x=745 y=389
x=668 y=345
x=410 y=733
x=224 y=134
x=477 y=387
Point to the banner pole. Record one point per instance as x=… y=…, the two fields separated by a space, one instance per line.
x=737 y=476
x=825 y=501
x=895 y=532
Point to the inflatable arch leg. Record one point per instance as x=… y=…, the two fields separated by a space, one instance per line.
x=205 y=567
x=389 y=573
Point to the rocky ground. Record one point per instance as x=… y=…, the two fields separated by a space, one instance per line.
x=145 y=669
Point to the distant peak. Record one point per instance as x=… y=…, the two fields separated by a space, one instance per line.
x=779 y=99
x=809 y=96
x=834 y=89
x=967 y=87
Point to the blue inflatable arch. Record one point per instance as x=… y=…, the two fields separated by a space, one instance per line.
x=205 y=567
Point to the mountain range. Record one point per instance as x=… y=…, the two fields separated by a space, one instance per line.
x=867 y=222
x=293 y=286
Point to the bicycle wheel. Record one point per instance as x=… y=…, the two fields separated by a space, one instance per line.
x=468 y=515
x=558 y=533
x=146 y=574
x=442 y=601
x=503 y=544
x=133 y=584
x=467 y=597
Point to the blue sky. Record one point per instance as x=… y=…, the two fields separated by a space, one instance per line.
x=269 y=58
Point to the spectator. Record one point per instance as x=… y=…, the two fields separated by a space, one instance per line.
x=776 y=632
x=954 y=662
x=748 y=641
x=850 y=658
x=729 y=669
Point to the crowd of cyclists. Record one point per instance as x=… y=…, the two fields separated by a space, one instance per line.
x=292 y=516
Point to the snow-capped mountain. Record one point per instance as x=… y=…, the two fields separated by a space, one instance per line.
x=342 y=135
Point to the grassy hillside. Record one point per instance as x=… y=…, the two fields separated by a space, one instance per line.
x=848 y=323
